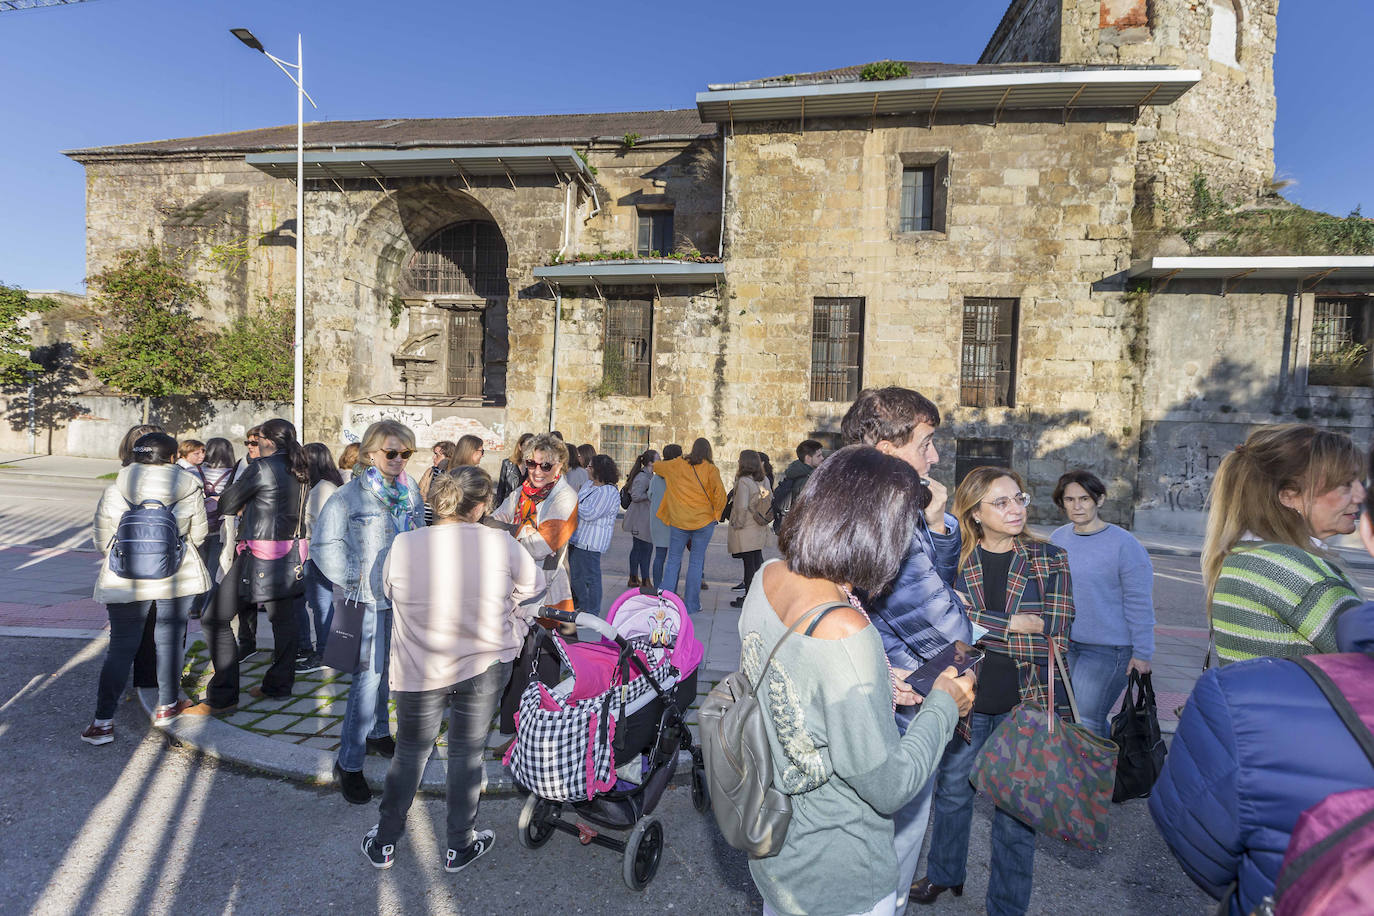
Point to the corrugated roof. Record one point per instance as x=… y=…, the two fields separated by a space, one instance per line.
x=409 y=133
x=852 y=73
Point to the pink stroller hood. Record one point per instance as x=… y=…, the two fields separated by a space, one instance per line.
x=663 y=618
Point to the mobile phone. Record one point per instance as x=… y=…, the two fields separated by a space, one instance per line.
x=961 y=656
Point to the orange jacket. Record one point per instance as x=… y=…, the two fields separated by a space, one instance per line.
x=695 y=497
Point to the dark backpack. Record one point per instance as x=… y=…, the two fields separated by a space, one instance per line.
x=147 y=543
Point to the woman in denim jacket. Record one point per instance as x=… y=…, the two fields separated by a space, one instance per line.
x=350 y=543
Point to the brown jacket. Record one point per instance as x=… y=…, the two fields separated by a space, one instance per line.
x=750 y=516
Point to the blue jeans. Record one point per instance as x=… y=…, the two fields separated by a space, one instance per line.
x=127 y=620
x=1013 y=843
x=677 y=543
x=660 y=557
x=470 y=705
x=640 y=554
x=909 y=832
x=317 y=605
x=367 y=714
x=584 y=568
x=1099 y=675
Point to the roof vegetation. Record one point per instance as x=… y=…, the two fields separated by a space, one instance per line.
x=884 y=70
x=1218 y=227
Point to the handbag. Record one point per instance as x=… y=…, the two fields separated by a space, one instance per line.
x=1136 y=732
x=343 y=649
x=282 y=577
x=1051 y=775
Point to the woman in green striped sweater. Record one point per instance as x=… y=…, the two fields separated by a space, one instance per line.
x=1272 y=587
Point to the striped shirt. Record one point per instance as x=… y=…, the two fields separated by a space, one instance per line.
x=1277 y=600
x=597 y=507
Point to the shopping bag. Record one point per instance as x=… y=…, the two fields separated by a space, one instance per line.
x=342 y=650
x=1052 y=775
x=1136 y=732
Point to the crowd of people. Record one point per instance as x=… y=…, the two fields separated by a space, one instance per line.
x=426 y=591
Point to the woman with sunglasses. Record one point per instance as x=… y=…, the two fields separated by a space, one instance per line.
x=1019 y=591
x=350 y=544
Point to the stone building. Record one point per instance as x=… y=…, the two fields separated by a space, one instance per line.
x=1001 y=235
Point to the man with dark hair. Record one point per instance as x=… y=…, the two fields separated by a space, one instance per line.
x=921 y=614
x=810 y=454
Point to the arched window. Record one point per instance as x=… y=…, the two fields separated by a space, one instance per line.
x=1224 y=44
x=467 y=258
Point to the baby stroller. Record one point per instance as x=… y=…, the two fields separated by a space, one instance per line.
x=597 y=750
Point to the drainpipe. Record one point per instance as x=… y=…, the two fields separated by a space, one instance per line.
x=724 y=183
x=567 y=217
x=553 y=381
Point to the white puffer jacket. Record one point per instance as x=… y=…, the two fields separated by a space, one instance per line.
x=175 y=488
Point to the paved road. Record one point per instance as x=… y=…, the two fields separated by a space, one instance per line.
x=141 y=827
x=48 y=513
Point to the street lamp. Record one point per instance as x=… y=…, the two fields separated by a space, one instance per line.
x=298 y=348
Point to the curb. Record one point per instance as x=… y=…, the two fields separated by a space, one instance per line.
x=31 y=476
x=1354 y=562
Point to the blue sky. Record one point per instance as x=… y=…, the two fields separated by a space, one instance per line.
x=116 y=71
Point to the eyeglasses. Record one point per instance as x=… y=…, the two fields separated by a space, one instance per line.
x=251 y=443
x=391 y=454
x=1003 y=503
x=545 y=466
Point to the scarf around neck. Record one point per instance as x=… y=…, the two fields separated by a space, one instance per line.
x=527 y=506
x=395 y=497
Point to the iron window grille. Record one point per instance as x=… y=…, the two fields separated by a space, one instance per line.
x=837 y=326
x=987 y=369
x=466 y=259
x=624 y=444
x=1340 y=343
x=627 y=347
x=465 y=335
x=918 y=199
x=978 y=453
x=655 y=232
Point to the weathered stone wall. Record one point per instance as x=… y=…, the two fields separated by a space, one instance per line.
x=656 y=174
x=1038 y=210
x=1029 y=31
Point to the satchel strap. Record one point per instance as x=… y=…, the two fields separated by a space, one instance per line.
x=818 y=611
x=1068 y=685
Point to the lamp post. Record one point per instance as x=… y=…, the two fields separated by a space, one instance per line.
x=298 y=347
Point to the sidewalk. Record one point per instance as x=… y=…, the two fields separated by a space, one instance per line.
x=21 y=466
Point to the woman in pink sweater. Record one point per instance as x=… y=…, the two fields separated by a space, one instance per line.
x=456 y=590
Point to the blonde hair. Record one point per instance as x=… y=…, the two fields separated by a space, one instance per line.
x=379 y=432
x=455 y=495
x=349 y=457
x=517 y=452
x=1245 y=491
x=967 y=497
x=549 y=444
x=188 y=446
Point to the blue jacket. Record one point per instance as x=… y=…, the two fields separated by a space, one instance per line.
x=1258 y=744
x=351 y=539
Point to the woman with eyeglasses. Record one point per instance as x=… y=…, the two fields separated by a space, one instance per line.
x=350 y=544
x=1019 y=591
x=468 y=453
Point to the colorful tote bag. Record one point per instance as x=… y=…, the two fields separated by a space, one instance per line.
x=1052 y=775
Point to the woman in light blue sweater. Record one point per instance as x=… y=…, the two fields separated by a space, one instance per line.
x=1114 y=610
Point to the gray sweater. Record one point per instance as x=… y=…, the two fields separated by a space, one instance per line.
x=838 y=754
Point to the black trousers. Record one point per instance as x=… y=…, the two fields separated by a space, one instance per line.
x=752 y=559
x=223 y=689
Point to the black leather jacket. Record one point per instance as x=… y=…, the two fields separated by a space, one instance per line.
x=271 y=500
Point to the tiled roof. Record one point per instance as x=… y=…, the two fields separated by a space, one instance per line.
x=851 y=74
x=407 y=133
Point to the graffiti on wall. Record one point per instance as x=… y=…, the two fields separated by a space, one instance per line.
x=427 y=429
x=1187 y=457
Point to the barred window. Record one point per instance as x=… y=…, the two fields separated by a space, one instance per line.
x=465 y=355
x=655 y=235
x=467 y=258
x=624 y=444
x=918 y=198
x=987 y=371
x=627 y=346
x=837 y=327
x=978 y=453
x=1340 y=348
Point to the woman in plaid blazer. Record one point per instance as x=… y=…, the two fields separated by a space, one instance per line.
x=1018 y=590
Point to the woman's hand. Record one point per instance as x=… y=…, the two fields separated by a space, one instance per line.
x=960 y=687
x=1026 y=623
x=902 y=694
x=1138 y=664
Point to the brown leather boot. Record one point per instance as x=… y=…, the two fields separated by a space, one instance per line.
x=926 y=891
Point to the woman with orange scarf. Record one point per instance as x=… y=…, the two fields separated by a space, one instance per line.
x=542 y=515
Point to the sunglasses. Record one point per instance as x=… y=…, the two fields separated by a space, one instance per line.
x=251 y=443
x=391 y=454
x=544 y=466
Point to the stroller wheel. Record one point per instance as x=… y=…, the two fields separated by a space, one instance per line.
x=701 y=798
x=643 y=850
x=534 y=827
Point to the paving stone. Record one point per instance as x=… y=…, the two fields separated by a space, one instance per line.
x=306 y=705
x=335 y=689
x=243 y=719
x=324 y=744
x=276 y=723
x=270 y=704
x=311 y=725
x=333 y=730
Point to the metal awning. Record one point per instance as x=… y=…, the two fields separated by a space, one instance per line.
x=424 y=163
x=1304 y=268
x=622 y=273
x=1062 y=89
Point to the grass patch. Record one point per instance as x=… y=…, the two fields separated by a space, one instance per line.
x=110 y=476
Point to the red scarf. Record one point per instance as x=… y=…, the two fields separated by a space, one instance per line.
x=527 y=506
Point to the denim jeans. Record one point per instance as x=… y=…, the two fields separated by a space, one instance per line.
x=584 y=568
x=367 y=714
x=641 y=553
x=679 y=539
x=660 y=557
x=909 y=832
x=471 y=705
x=126 y=632
x=1013 y=843
x=318 y=606
x=1099 y=675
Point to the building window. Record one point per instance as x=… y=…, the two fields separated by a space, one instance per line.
x=978 y=453
x=627 y=346
x=465 y=355
x=918 y=198
x=1341 y=340
x=987 y=371
x=624 y=444
x=1223 y=45
x=837 y=328
x=655 y=236
x=464 y=259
